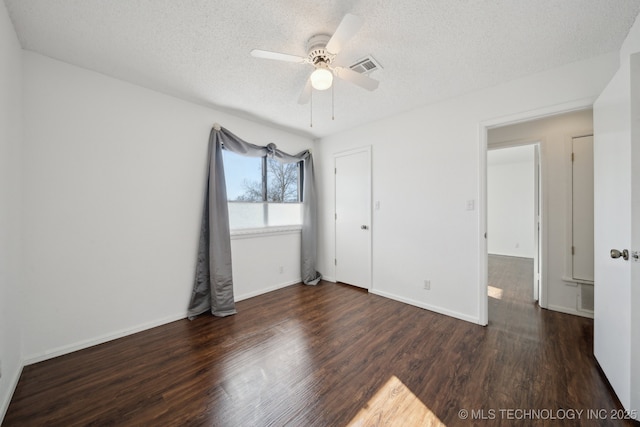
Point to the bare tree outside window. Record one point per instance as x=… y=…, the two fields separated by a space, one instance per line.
x=282 y=184
x=252 y=191
x=262 y=192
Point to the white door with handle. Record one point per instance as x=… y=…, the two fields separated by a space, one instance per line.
x=616 y=217
x=353 y=217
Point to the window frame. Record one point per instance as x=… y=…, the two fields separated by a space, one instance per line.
x=264 y=175
x=265 y=180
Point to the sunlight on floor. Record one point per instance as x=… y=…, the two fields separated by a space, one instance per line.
x=395 y=405
x=495 y=293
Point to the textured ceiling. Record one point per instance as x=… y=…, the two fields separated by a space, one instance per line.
x=429 y=49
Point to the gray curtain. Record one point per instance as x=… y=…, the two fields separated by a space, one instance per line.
x=213 y=285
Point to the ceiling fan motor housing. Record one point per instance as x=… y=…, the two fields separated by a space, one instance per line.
x=321 y=59
x=317 y=53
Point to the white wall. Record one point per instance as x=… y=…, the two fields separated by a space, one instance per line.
x=617 y=207
x=554 y=134
x=10 y=208
x=256 y=269
x=113 y=193
x=511 y=201
x=426 y=166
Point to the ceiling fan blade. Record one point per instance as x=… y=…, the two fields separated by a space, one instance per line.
x=356 y=78
x=265 y=54
x=306 y=93
x=348 y=27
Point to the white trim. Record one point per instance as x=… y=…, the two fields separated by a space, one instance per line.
x=484 y=126
x=568 y=220
x=510 y=256
x=250 y=233
x=483 y=248
x=543 y=199
x=516 y=143
x=537 y=220
x=81 y=345
x=10 y=391
x=366 y=148
x=429 y=307
x=575 y=282
x=552 y=110
x=329 y=279
x=59 y=351
x=266 y=290
x=567 y=310
x=369 y=150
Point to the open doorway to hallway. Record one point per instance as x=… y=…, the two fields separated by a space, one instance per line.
x=513 y=222
x=560 y=242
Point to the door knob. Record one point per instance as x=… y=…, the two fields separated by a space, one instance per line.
x=364 y=227
x=617 y=254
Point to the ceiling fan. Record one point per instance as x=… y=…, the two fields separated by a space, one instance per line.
x=322 y=50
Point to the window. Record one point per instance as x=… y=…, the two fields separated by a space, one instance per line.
x=262 y=192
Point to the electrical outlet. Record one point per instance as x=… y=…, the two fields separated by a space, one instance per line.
x=427 y=285
x=281 y=269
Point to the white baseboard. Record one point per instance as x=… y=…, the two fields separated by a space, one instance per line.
x=429 y=307
x=50 y=354
x=59 y=351
x=568 y=310
x=511 y=255
x=265 y=290
x=81 y=345
x=11 y=390
x=329 y=279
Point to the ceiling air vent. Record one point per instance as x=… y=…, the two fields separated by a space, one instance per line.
x=365 y=65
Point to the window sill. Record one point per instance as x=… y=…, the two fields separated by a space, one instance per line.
x=250 y=233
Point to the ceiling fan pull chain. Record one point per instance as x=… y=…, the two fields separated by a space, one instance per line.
x=322 y=50
x=333 y=102
x=311 y=109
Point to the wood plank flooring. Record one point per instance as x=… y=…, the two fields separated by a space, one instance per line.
x=320 y=356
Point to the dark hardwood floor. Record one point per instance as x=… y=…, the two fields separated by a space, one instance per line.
x=315 y=356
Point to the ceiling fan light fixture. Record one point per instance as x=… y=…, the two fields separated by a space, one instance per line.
x=322 y=50
x=321 y=78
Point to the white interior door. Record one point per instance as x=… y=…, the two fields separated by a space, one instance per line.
x=536 y=223
x=612 y=230
x=353 y=217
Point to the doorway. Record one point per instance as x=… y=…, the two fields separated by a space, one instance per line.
x=353 y=217
x=513 y=214
x=553 y=129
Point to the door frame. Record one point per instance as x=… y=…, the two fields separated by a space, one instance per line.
x=568 y=262
x=366 y=149
x=483 y=127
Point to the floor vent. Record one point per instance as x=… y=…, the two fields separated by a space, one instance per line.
x=365 y=65
x=586 y=298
